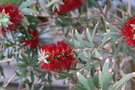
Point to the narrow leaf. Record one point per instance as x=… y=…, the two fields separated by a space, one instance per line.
x=83 y=80
x=28 y=11
x=121 y=82
x=26 y=4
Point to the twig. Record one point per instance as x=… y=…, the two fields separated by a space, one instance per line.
x=121 y=11
x=125 y=13
x=129 y=7
x=116 y=17
x=7 y=82
x=100 y=9
x=106 y=10
x=5 y=61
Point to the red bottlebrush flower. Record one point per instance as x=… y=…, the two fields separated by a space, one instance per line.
x=33 y=41
x=128 y=32
x=55 y=57
x=33 y=33
x=14 y=13
x=69 y=5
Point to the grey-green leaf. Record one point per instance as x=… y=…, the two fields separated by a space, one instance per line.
x=28 y=11
x=26 y=4
x=121 y=82
x=50 y=3
x=83 y=81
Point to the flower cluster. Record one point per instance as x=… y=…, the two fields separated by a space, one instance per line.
x=128 y=32
x=33 y=41
x=14 y=13
x=69 y=5
x=56 y=57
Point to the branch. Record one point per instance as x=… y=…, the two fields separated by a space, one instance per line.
x=7 y=82
x=129 y=7
x=5 y=61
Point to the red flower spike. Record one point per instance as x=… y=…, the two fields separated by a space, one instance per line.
x=69 y=5
x=33 y=41
x=128 y=31
x=56 y=57
x=14 y=13
x=33 y=33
